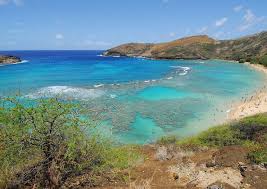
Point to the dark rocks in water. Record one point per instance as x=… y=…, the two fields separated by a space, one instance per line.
x=6 y=59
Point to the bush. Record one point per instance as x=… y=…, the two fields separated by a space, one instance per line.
x=47 y=141
x=213 y=137
x=263 y=60
x=252 y=126
x=259 y=155
x=241 y=61
x=167 y=140
x=219 y=136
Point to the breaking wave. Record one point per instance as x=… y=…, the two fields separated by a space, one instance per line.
x=67 y=92
x=183 y=70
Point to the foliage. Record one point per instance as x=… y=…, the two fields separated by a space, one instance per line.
x=259 y=155
x=167 y=140
x=250 y=132
x=219 y=136
x=49 y=140
x=251 y=126
x=263 y=60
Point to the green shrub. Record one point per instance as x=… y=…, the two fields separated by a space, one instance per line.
x=192 y=143
x=250 y=127
x=241 y=61
x=259 y=155
x=213 y=137
x=263 y=60
x=219 y=136
x=48 y=141
x=254 y=60
x=167 y=140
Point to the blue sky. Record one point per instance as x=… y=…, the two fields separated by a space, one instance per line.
x=101 y=24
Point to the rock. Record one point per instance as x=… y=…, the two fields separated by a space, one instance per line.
x=6 y=59
x=264 y=165
x=175 y=176
x=242 y=168
x=162 y=153
x=211 y=164
x=214 y=187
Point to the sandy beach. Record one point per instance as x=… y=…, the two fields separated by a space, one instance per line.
x=253 y=104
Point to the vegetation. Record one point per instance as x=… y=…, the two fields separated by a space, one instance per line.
x=167 y=140
x=263 y=60
x=45 y=143
x=250 y=132
x=49 y=143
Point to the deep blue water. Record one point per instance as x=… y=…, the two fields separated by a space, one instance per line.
x=143 y=99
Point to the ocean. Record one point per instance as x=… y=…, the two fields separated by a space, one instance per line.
x=140 y=99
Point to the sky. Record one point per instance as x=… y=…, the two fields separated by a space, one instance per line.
x=102 y=24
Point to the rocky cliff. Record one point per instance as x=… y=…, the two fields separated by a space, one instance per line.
x=5 y=59
x=198 y=47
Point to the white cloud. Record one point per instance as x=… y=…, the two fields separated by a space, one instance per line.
x=96 y=43
x=204 y=29
x=188 y=31
x=221 y=22
x=59 y=36
x=238 y=8
x=219 y=34
x=15 y=31
x=249 y=20
x=172 y=34
x=16 y=2
x=165 y=1
x=4 y=2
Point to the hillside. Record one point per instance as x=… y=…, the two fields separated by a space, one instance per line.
x=198 y=47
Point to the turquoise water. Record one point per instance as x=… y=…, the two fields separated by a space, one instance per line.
x=140 y=99
x=162 y=93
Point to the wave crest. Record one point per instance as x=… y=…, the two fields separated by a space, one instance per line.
x=67 y=92
x=182 y=69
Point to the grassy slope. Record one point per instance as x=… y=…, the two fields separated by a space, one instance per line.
x=250 y=132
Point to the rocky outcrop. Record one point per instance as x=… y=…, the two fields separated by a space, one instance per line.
x=6 y=59
x=197 y=47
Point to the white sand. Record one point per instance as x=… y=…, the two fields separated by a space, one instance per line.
x=254 y=104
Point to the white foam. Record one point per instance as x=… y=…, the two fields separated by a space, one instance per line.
x=183 y=68
x=183 y=73
x=21 y=62
x=147 y=81
x=170 y=78
x=66 y=91
x=99 y=85
x=113 y=96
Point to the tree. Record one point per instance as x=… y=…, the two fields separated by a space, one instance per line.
x=263 y=60
x=49 y=137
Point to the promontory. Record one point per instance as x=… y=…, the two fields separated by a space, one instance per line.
x=244 y=49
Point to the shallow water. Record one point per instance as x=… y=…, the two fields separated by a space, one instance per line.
x=141 y=99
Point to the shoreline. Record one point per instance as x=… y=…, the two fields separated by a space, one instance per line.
x=255 y=103
x=21 y=62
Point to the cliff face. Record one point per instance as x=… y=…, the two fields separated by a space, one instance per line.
x=5 y=59
x=197 y=47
